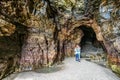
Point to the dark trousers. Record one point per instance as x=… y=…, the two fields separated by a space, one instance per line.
x=77 y=57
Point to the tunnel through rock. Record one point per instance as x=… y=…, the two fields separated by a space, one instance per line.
x=89 y=37
x=89 y=43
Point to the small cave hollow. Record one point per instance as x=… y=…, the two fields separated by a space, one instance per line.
x=89 y=43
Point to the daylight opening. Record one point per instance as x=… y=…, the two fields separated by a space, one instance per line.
x=89 y=43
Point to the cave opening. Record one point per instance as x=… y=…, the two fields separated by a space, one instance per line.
x=89 y=36
x=89 y=43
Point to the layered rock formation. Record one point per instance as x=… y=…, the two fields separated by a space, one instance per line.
x=110 y=26
x=48 y=30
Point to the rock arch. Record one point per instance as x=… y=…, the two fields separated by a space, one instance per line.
x=70 y=31
x=90 y=23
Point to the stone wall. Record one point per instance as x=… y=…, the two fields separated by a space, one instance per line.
x=110 y=26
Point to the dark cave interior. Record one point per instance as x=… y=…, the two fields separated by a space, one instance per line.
x=89 y=37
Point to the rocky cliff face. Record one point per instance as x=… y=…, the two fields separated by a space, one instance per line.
x=110 y=26
x=48 y=30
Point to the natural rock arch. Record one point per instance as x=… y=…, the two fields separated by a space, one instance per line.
x=90 y=23
x=69 y=32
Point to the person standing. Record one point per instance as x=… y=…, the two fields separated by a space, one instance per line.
x=77 y=51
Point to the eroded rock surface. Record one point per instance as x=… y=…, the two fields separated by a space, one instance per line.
x=47 y=30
